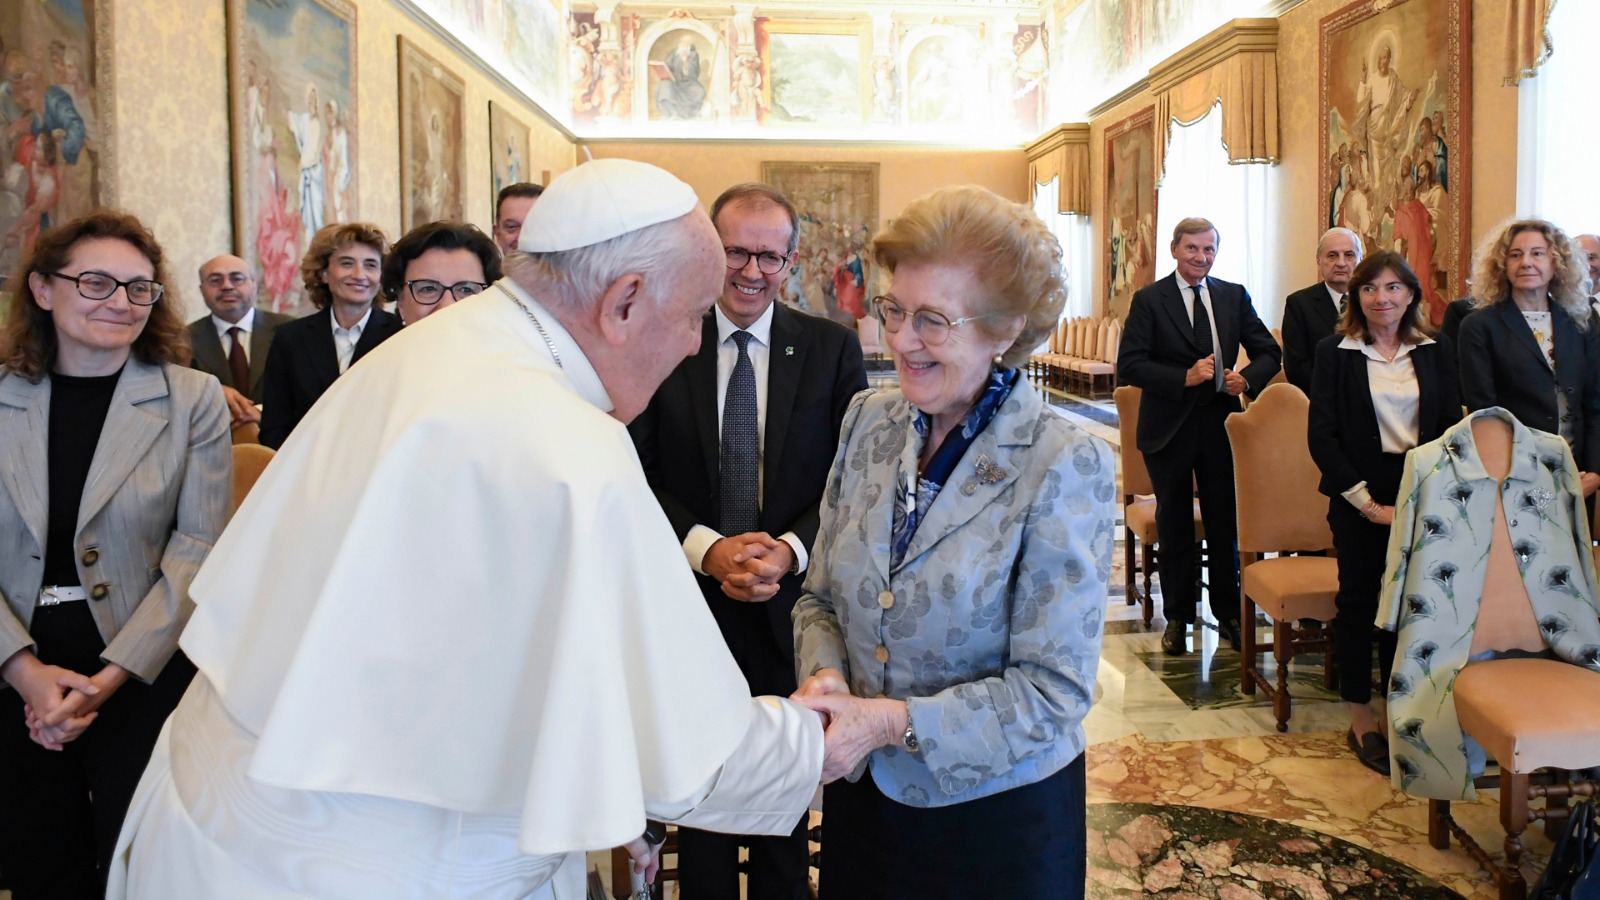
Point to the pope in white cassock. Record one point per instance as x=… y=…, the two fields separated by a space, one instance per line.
x=449 y=643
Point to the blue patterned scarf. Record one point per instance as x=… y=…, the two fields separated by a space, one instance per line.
x=908 y=513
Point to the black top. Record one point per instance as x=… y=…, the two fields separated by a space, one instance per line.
x=78 y=408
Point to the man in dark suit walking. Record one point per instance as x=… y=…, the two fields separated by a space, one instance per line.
x=1179 y=345
x=231 y=343
x=1310 y=314
x=737 y=443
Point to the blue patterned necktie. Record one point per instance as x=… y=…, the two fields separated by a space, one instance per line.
x=739 y=459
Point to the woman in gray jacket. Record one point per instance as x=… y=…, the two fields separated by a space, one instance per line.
x=951 y=624
x=115 y=480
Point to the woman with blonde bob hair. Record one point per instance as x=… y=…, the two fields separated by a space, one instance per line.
x=950 y=628
x=1528 y=346
x=117 y=481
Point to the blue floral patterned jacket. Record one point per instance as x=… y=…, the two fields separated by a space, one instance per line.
x=1437 y=561
x=990 y=627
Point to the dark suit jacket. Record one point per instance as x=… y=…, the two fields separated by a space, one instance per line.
x=1454 y=315
x=302 y=363
x=1308 y=316
x=211 y=356
x=1158 y=348
x=1343 y=425
x=1502 y=365
x=808 y=391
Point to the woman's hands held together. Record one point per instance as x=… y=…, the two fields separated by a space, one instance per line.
x=855 y=726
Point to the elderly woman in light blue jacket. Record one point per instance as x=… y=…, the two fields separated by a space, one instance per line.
x=952 y=621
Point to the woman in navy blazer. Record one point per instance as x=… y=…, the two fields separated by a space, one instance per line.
x=115 y=480
x=1531 y=347
x=1380 y=386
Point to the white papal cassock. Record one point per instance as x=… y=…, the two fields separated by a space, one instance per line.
x=449 y=644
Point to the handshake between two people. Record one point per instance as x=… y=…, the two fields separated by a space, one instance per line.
x=853 y=726
x=749 y=566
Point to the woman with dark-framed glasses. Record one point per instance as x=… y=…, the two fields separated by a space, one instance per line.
x=115 y=480
x=950 y=629
x=437 y=264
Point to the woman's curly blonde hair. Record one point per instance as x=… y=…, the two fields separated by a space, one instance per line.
x=1015 y=259
x=1491 y=285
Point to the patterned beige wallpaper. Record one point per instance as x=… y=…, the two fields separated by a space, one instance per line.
x=171 y=101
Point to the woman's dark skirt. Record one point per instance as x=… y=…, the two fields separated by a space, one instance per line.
x=1024 y=842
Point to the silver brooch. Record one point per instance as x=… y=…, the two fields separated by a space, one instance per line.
x=1541 y=498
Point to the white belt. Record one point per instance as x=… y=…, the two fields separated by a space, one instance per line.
x=53 y=595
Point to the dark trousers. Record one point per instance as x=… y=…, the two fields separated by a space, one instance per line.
x=1363 y=548
x=1025 y=842
x=1198 y=452
x=58 y=841
x=708 y=865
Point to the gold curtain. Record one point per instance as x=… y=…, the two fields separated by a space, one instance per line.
x=1236 y=65
x=1063 y=152
x=1527 y=38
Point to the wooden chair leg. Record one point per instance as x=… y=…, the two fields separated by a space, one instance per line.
x=1514 y=818
x=1438 y=824
x=1131 y=596
x=1247 y=657
x=1282 y=654
x=1149 y=598
x=1554 y=825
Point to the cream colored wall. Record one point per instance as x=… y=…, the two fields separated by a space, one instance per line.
x=173 y=169
x=1494 y=141
x=904 y=173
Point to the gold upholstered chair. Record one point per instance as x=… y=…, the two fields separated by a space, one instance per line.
x=249 y=461
x=1139 y=507
x=1281 y=511
x=1536 y=744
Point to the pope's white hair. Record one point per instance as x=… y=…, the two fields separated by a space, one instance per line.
x=577 y=278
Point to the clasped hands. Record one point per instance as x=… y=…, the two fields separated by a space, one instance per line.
x=749 y=565
x=853 y=726
x=59 y=703
x=1205 y=369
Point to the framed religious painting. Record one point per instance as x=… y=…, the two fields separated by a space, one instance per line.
x=508 y=148
x=1395 y=135
x=57 y=76
x=432 y=110
x=292 y=99
x=1130 y=209
x=831 y=274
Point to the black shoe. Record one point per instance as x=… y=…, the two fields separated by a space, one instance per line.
x=1373 y=751
x=1228 y=630
x=1175 y=640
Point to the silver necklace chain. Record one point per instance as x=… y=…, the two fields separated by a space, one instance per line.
x=554 y=354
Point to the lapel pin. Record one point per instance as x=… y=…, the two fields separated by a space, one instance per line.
x=988 y=472
x=788 y=351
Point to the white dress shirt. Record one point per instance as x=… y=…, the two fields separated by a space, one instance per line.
x=245 y=324
x=1396 y=400
x=345 y=339
x=1336 y=297
x=759 y=349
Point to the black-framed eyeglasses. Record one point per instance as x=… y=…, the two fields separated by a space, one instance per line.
x=933 y=327
x=767 y=261
x=428 y=292
x=99 y=286
x=218 y=279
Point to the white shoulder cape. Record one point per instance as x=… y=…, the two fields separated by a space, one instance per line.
x=453 y=586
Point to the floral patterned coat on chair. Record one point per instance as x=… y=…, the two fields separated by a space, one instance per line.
x=1438 y=559
x=990 y=627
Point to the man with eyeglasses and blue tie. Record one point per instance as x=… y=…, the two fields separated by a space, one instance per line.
x=1180 y=344
x=737 y=444
x=232 y=342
